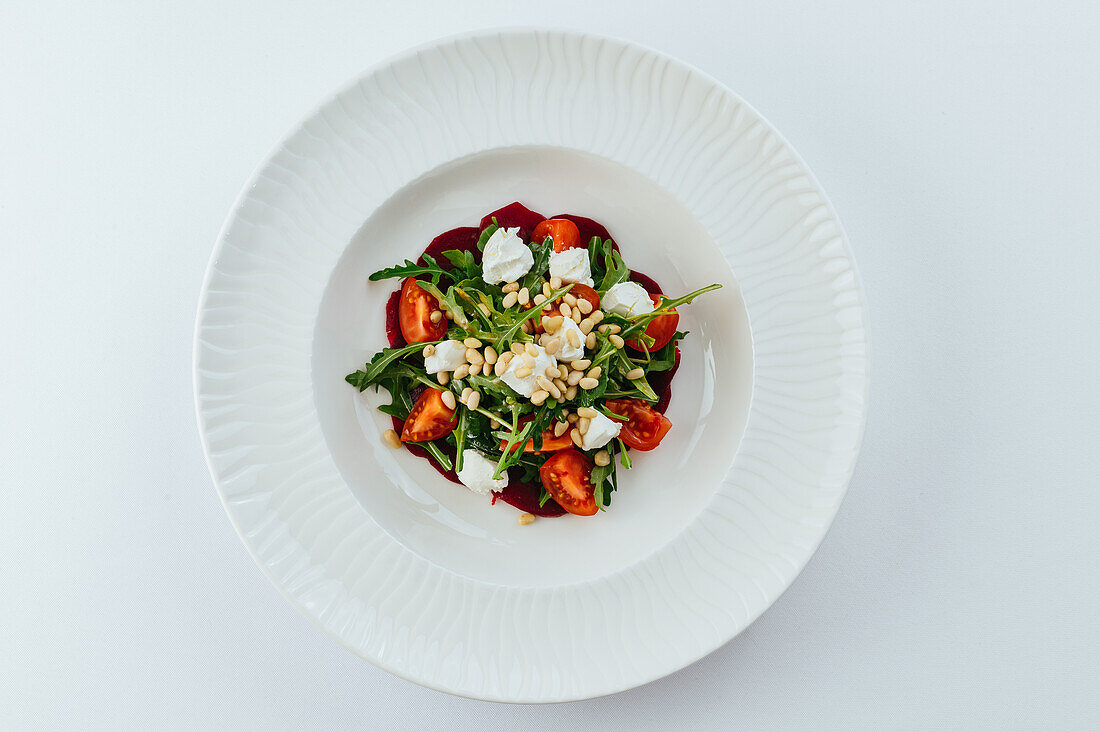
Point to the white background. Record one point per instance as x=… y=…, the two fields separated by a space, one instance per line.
x=959 y=584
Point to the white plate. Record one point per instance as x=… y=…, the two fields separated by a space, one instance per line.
x=414 y=573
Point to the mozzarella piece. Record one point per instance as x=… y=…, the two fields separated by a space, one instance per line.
x=627 y=299
x=448 y=356
x=506 y=258
x=526 y=386
x=601 y=430
x=477 y=473
x=569 y=352
x=572 y=265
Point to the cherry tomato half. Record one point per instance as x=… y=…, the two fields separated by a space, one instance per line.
x=563 y=231
x=414 y=314
x=646 y=426
x=566 y=475
x=584 y=292
x=660 y=329
x=549 y=442
x=429 y=419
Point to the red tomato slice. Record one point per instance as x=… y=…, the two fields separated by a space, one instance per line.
x=549 y=442
x=646 y=426
x=566 y=475
x=660 y=329
x=584 y=292
x=414 y=313
x=429 y=419
x=563 y=231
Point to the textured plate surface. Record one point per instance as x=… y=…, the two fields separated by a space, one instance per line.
x=376 y=577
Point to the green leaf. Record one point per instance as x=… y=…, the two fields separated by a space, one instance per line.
x=439 y=456
x=412 y=269
x=463 y=261
x=615 y=269
x=486 y=233
x=379 y=363
x=534 y=277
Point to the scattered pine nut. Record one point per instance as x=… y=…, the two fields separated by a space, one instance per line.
x=543 y=382
x=472 y=343
x=581 y=364
x=442 y=377
x=531 y=349
x=552 y=324
x=614 y=328
x=546 y=289
x=587 y=412
x=570 y=299
x=436 y=316
x=490 y=355
x=539 y=299
x=571 y=393
x=448 y=398
x=635 y=373
x=477 y=367
x=575 y=435
x=573 y=337
x=473 y=356
x=586 y=325
x=597 y=316
x=523 y=372
x=526 y=519
x=577 y=316
x=603 y=328
x=510 y=299
x=559 y=384
x=559 y=428
x=595 y=372
x=429 y=350
x=392 y=439
x=552 y=345
x=510 y=288
x=617 y=341
x=574 y=378
x=564 y=310
x=588 y=384
x=555 y=283
x=602 y=458
x=584 y=306
x=466 y=392
x=590 y=341
x=582 y=425
x=473 y=400
x=462 y=371
x=517 y=348
x=539 y=397
x=524 y=296
x=527 y=327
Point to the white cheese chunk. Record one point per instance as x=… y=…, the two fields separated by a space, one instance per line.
x=477 y=473
x=569 y=352
x=627 y=299
x=448 y=356
x=506 y=258
x=572 y=265
x=601 y=430
x=525 y=385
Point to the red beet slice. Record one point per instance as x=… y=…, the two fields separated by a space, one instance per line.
x=588 y=228
x=525 y=497
x=393 y=326
x=661 y=381
x=646 y=282
x=515 y=214
x=464 y=238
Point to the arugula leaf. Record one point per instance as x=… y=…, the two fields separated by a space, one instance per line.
x=486 y=233
x=412 y=269
x=448 y=303
x=638 y=323
x=365 y=377
x=615 y=269
x=435 y=452
x=463 y=261
x=665 y=358
x=460 y=437
x=624 y=456
x=533 y=279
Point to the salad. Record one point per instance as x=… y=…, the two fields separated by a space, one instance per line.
x=527 y=361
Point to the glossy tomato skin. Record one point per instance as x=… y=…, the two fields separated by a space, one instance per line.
x=429 y=419
x=563 y=232
x=646 y=426
x=414 y=314
x=566 y=475
x=660 y=329
x=582 y=291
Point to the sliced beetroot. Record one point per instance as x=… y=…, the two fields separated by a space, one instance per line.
x=525 y=497
x=515 y=214
x=646 y=282
x=417 y=450
x=661 y=381
x=588 y=228
x=464 y=238
x=393 y=325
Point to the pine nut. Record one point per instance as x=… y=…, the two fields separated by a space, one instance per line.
x=527 y=327
x=590 y=341
x=617 y=341
x=555 y=283
x=582 y=425
x=571 y=393
x=584 y=306
x=472 y=343
x=576 y=315
x=505 y=357
x=559 y=428
x=524 y=296
x=597 y=316
x=602 y=328
x=581 y=364
x=575 y=435
x=448 y=398
x=554 y=391
x=574 y=378
x=588 y=384
x=539 y=397
x=602 y=458
x=587 y=412
x=473 y=400
x=543 y=382
x=539 y=299
x=546 y=289
x=531 y=349
x=564 y=310
x=510 y=288
x=635 y=373
x=595 y=372
x=526 y=519
x=442 y=377
x=586 y=325
x=573 y=337
x=563 y=371
x=523 y=372
x=475 y=369
x=570 y=299
x=552 y=345
x=517 y=348
x=462 y=371
x=571 y=418
x=614 y=328
x=392 y=439
x=552 y=324
x=466 y=392
x=510 y=299
x=560 y=384
x=490 y=355
x=436 y=316
x=473 y=356
x=500 y=368
x=429 y=350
